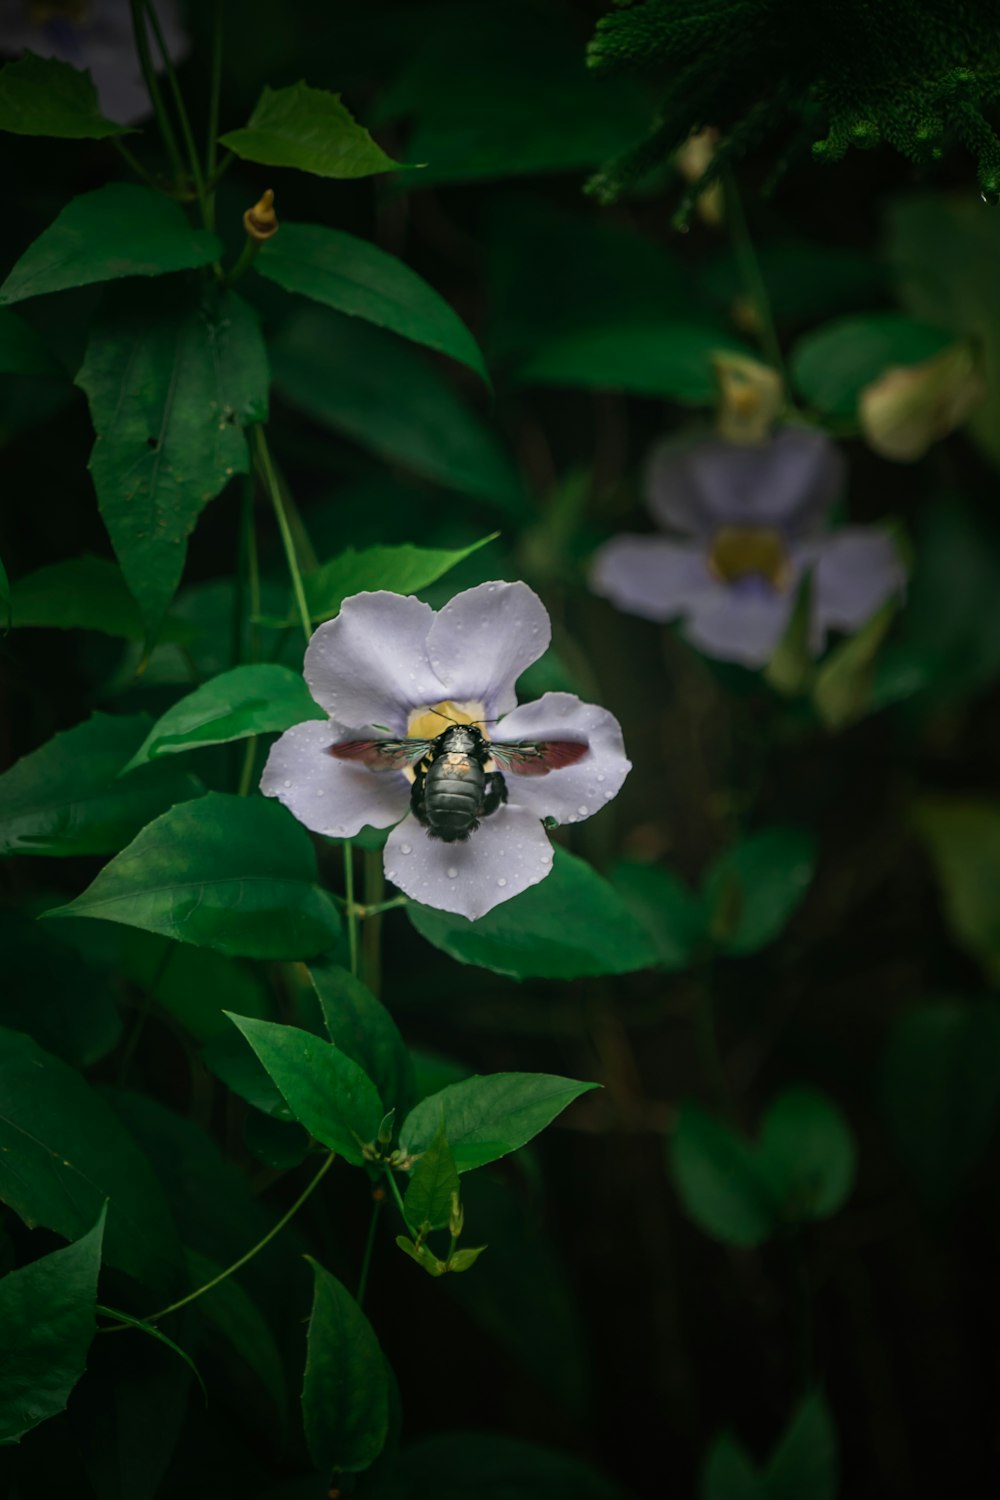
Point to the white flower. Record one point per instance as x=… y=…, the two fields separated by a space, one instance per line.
x=390 y=668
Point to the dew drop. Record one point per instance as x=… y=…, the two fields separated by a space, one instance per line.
x=406 y=848
x=288 y=783
x=582 y=810
x=320 y=793
x=502 y=880
x=601 y=777
x=452 y=872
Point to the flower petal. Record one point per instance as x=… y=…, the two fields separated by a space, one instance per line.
x=857 y=571
x=508 y=852
x=482 y=640
x=574 y=792
x=335 y=797
x=741 y=624
x=649 y=576
x=789 y=482
x=370 y=664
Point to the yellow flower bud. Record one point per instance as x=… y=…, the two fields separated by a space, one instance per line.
x=261 y=221
x=694 y=158
x=909 y=407
x=750 y=396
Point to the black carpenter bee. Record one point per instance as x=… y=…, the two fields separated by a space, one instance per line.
x=452 y=789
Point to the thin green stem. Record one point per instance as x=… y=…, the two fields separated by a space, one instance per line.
x=752 y=276
x=399 y=1201
x=197 y=175
x=277 y=500
x=371 y=936
x=246 y=771
x=244 y=260
x=153 y=86
x=364 y=912
x=352 y=910
x=215 y=93
x=369 y=1247
x=200 y=1291
x=132 y=161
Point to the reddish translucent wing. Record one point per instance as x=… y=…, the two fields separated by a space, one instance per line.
x=381 y=755
x=537 y=757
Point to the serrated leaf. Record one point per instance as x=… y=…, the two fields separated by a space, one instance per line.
x=485 y=1117
x=751 y=891
x=833 y=364
x=65 y=798
x=432 y=1182
x=371 y=386
x=572 y=925
x=325 y=1089
x=237 y=874
x=402 y=569
x=119 y=230
x=355 y=277
x=345 y=1391
x=254 y=699
x=63 y=1153
x=170 y=381
x=362 y=1028
x=43 y=96
x=46 y=1325
x=311 y=130
x=85 y=593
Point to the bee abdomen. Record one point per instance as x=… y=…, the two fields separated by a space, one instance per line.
x=453 y=802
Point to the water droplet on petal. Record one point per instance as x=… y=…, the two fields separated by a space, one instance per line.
x=288 y=783
x=582 y=810
x=319 y=792
x=406 y=848
x=502 y=880
x=601 y=777
x=452 y=872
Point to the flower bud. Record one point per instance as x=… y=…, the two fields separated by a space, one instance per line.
x=261 y=221
x=909 y=407
x=693 y=159
x=750 y=395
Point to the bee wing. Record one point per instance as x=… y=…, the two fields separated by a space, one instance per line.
x=537 y=757
x=381 y=755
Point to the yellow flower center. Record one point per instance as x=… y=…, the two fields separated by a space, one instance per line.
x=740 y=551
x=427 y=723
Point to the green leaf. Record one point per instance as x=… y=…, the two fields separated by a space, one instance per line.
x=46 y=1325
x=672 y=360
x=832 y=365
x=64 y=798
x=78 y=1020
x=844 y=688
x=962 y=835
x=486 y=1117
x=459 y=1465
x=433 y=1181
x=809 y=1152
x=246 y=700
x=667 y=908
x=369 y=385
x=23 y=351
x=238 y=1320
x=422 y=1254
x=355 y=277
x=401 y=569
x=941 y=1092
x=43 y=96
x=63 y=1153
x=233 y=873
x=194 y=985
x=752 y=890
x=720 y=1180
x=170 y=381
x=84 y=593
x=229 y=1058
x=464 y=1260
x=325 y=1089
x=311 y=130
x=573 y=925
x=345 y=1392
x=362 y=1028
x=122 y=229
x=792 y=664
x=804 y=1463
x=806 y=280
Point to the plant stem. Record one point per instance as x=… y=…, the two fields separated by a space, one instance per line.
x=244 y=260
x=752 y=276
x=246 y=771
x=211 y=146
x=399 y=1201
x=369 y=1247
x=132 y=161
x=197 y=176
x=152 y=84
x=376 y=911
x=277 y=500
x=371 y=937
x=352 y=910
x=200 y=1291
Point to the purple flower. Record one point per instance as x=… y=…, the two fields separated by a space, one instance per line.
x=390 y=668
x=749 y=522
x=95 y=36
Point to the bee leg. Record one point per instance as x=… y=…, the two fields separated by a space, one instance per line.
x=494 y=793
x=417 y=798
